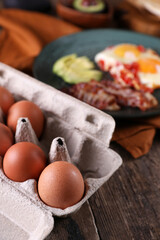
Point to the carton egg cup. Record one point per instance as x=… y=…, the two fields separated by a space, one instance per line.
x=87 y=133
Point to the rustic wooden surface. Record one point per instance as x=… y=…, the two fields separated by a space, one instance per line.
x=127 y=207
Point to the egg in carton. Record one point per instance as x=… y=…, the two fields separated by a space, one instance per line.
x=87 y=133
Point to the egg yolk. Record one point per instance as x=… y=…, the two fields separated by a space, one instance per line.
x=121 y=50
x=149 y=65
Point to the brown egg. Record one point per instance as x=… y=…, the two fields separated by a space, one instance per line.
x=6 y=100
x=6 y=139
x=26 y=109
x=61 y=185
x=23 y=161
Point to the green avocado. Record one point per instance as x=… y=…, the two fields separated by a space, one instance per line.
x=90 y=6
x=73 y=76
x=61 y=64
x=73 y=69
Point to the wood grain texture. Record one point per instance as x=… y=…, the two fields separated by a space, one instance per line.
x=128 y=205
x=79 y=226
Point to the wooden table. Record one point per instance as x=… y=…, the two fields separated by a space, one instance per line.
x=126 y=207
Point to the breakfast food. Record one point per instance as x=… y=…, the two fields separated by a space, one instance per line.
x=94 y=94
x=110 y=95
x=23 y=161
x=89 y=6
x=6 y=139
x=61 y=185
x=126 y=96
x=26 y=109
x=135 y=73
x=75 y=69
x=6 y=100
x=131 y=65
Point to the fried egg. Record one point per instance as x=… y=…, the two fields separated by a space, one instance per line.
x=118 y=57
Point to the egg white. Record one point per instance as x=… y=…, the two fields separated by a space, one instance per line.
x=149 y=79
x=114 y=63
x=111 y=59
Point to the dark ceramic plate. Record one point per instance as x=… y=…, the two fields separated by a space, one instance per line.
x=88 y=43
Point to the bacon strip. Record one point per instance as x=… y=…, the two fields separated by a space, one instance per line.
x=126 y=96
x=94 y=95
x=109 y=95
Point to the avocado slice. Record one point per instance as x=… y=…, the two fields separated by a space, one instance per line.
x=60 y=64
x=83 y=63
x=75 y=69
x=72 y=76
x=90 y=6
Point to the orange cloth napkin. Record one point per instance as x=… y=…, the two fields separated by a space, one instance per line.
x=24 y=35
x=137 y=136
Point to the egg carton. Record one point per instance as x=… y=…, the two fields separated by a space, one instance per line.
x=87 y=132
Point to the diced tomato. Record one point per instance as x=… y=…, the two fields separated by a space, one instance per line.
x=141 y=48
x=132 y=67
x=101 y=64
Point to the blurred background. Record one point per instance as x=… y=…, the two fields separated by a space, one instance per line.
x=138 y=15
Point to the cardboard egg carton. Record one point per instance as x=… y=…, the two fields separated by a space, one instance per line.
x=87 y=133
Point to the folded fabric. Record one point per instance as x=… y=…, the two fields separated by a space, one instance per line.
x=137 y=137
x=24 y=35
